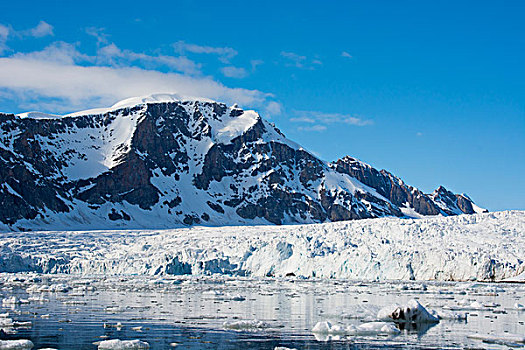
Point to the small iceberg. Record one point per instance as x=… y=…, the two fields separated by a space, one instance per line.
x=412 y=312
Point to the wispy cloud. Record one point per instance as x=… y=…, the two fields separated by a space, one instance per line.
x=6 y=31
x=319 y=121
x=111 y=54
x=61 y=79
x=316 y=127
x=299 y=61
x=59 y=52
x=99 y=34
x=346 y=54
x=255 y=64
x=225 y=54
x=41 y=30
x=273 y=108
x=296 y=59
x=234 y=72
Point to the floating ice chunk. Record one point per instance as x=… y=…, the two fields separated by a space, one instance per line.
x=377 y=328
x=6 y=322
x=212 y=293
x=476 y=305
x=499 y=338
x=14 y=301
x=322 y=327
x=59 y=288
x=246 y=324
x=449 y=315
x=117 y=344
x=236 y=297
x=326 y=327
x=118 y=325
x=20 y=344
x=519 y=306
x=38 y=299
x=412 y=312
x=491 y=305
x=283 y=348
x=22 y=324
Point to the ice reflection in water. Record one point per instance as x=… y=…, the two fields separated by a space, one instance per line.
x=232 y=313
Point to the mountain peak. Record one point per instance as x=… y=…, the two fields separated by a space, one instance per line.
x=165 y=160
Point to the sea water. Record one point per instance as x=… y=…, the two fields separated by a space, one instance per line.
x=226 y=312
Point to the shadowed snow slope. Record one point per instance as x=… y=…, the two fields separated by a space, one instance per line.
x=488 y=246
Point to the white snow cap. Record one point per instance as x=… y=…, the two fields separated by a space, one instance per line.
x=157 y=98
x=129 y=102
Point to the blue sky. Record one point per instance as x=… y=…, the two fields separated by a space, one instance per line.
x=431 y=91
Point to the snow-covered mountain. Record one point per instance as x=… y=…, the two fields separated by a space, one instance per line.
x=162 y=161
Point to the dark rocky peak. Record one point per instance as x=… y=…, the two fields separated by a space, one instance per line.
x=405 y=196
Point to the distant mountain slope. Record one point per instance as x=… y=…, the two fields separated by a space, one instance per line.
x=162 y=161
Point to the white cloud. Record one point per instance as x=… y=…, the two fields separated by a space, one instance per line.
x=59 y=52
x=255 y=64
x=4 y=33
x=41 y=30
x=234 y=72
x=302 y=120
x=72 y=86
x=113 y=55
x=346 y=54
x=273 y=108
x=296 y=59
x=98 y=33
x=318 y=121
x=316 y=127
x=300 y=61
x=225 y=54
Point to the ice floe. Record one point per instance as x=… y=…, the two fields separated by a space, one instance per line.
x=246 y=324
x=117 y=344
x=20 y=344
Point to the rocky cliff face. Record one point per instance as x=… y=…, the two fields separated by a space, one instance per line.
x=151 y=163
x=440 y=202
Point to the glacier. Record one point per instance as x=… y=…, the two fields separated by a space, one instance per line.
x=480 y=247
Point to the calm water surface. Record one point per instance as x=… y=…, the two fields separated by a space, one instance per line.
x=71 y=312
